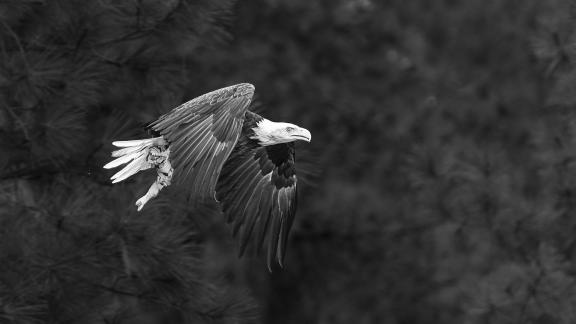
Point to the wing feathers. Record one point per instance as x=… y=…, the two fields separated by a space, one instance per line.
x=208 y=179
x=206 y=163
x=238 y=197
x=252 y=208
x=189 y=153
x=234 y=183
x=286 y=205
x=266 y=213
x=257 y=192
x=202 y=132
x=274 y=232
x=235 y=174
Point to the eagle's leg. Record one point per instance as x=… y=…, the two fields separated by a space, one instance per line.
x=159 y=158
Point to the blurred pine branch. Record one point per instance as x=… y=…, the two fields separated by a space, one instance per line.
x=74 y=75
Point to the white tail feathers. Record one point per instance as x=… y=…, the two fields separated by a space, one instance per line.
x=137 y=142
x=135 y=152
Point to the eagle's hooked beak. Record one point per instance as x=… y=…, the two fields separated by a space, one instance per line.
x=271 y=133
x=302 y=134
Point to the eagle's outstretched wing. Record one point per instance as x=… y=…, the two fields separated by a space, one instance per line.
x=202 y=132
x=257 y=191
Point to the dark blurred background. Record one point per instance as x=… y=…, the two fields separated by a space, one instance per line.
x=439 y=186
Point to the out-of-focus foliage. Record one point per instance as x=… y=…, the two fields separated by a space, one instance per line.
x=76 y=75
x=439 y=186
x=445 y=135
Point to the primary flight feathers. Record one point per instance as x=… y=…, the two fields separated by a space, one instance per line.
x=220 y=150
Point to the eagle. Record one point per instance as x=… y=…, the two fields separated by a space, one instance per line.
x=217 y=149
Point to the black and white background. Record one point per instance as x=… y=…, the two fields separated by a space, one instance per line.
x=439 y=187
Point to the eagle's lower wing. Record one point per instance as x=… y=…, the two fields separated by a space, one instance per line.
x=257 y=190
x=202 y=132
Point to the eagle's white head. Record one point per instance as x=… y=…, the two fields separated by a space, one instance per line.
x=269 y=133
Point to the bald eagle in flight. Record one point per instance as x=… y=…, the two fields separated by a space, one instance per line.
x=218 y=149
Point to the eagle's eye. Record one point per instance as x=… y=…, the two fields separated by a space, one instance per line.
x=289 y=129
